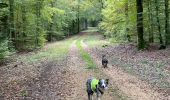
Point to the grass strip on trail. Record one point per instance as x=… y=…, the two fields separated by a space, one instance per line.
x=51 y=51
x=85 y=56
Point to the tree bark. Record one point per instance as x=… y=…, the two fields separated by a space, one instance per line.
x=127 y=21
x=167 y=34
x=86 y=23
x=158 y=22
x=141 y=44
x=38 y=15
x=150 y=25
x=11 y=18
x=78 y=19
x=23 y=26
x=51 y=24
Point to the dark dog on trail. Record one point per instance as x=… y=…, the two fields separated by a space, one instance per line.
x=96 y=86
x=104 y=61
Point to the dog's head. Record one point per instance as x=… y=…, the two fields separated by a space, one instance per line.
x=103 y=55
x=103 y=83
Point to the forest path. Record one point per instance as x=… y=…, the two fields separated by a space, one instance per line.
x=80 y=74
x=63 y=77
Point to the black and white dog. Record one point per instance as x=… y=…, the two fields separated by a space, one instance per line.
x=96 y=86
x=104 y=61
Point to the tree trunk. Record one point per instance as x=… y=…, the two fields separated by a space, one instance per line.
x=51 y=24
x=78 y=17
x=11 y=18
x=73 y=27
x=141 y=44
x=78 y=20
x=167 y=34
x=127 y=21
x=38 y=15
x=23 y=26
x=86 y=23
x=150 y=25
x=158 y=22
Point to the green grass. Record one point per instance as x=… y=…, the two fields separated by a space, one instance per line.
x=24 y=93
x=144 y=61
x=53 y=51
x=91 y=29
x=85 y=56
x=50 y=53
x=94 y=39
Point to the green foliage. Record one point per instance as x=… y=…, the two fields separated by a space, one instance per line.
x=4 y=51
x=119 y=21
x=88 y=7
x=115 y=22
x=24 y=93
x=29 y=23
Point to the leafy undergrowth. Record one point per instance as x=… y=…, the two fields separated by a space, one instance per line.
x=86 y=57
x=151 y=66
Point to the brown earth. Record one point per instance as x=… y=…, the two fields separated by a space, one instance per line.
x=65 y=79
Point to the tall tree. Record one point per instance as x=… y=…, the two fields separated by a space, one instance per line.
x=127 y=20
x=78 y=16
x=141 y=44
x=167 y=26
x=158 y=22
x=150 y=20
x=11 y=18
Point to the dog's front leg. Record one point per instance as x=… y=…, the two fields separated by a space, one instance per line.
x=89 y=97
x=98 y=95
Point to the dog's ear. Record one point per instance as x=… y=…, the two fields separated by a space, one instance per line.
x=107 y=81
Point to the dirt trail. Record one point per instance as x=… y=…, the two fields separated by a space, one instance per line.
x=128 y=84
x=65 y=79
x=80 y=75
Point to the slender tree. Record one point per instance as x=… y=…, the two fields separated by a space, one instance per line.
x=158 y=21
x=141 y=44
x=127 y=20
x=167 y=26
x=78 y=16
x=11 y=18
x=150 y=24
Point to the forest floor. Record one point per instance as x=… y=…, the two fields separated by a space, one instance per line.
x=59 y=71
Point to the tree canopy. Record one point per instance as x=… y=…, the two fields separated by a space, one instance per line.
x=29 y=24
